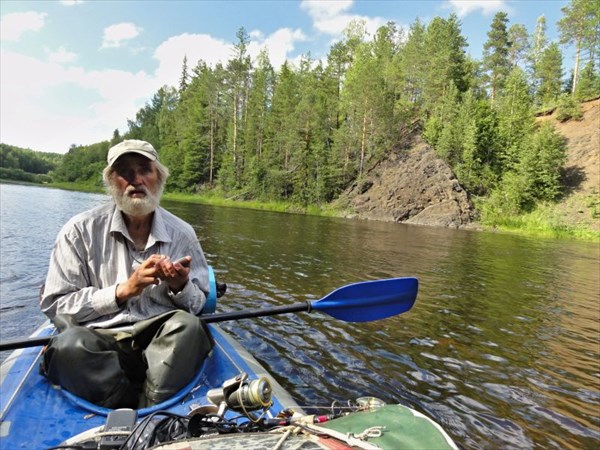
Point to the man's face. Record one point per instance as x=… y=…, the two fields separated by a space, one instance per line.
x=135 y=185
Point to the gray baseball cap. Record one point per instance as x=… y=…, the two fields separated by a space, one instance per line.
x=131 y=146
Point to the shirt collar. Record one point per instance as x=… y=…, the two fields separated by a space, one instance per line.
x=158 y=232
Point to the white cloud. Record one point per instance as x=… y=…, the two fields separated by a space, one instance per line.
x=278 y=45
x=323 y=10
x=71 y=2
x=13 y=25
x=47 y=105
x=196 y=47
x=336 y=25
x=115 y=35
x=203 y=47
x=27 y=81
x=330 y=17
x=487 y=7
x=61 y=55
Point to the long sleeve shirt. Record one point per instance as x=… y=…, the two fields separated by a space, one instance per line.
x=94 y=252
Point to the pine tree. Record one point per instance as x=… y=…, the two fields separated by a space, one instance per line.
x=410 y=64
x=541 y=163
x=496 y=61
x=259 y=100
x=166 y=128
x=146 y=125
x=520 y=46
x=193 y=130
x=539 y=42
x=282 y=140
x=116 y=137
x=589 y=83
x=477 y=168
x=238 y=78
x=580 y=27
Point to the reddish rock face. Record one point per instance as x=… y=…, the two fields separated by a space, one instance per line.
x=412 y=186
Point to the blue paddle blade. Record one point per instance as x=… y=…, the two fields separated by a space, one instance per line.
x=370 y=300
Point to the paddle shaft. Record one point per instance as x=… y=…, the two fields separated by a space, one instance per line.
x=209 y=318
x=358 y=302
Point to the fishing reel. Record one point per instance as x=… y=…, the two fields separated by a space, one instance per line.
x=242 y=395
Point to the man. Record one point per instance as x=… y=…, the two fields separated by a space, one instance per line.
x=125 y=285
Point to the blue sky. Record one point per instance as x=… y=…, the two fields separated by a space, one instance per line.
x=72 y=71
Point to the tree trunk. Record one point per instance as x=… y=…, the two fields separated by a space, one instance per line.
x=212 y=149
x=576 y=67
x=363 y=144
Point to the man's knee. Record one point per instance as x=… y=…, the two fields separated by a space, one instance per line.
x=74 y=343
x=182 y=323
x=86 y=363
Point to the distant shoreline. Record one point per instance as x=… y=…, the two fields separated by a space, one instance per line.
x=527 y=225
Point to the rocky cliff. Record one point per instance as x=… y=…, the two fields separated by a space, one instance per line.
x=413 y=185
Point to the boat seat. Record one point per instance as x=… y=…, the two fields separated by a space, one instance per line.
x=216 y=290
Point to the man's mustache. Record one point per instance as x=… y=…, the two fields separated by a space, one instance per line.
x=131 y=190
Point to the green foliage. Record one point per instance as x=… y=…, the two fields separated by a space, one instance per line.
x=588 y=86
x=544 y=220
x=520 y=46
x=550 y=73
x=541 y=163
x=26 y=160
x=580 y=26
x=509 y=198
x=15 y=174
x=478 y=165
x=533 y=178
x=446 y=62
x=496 y=50
x=83 y=164
x=568 y=108
x=515 y=119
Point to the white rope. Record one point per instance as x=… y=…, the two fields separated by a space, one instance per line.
x=373 y=432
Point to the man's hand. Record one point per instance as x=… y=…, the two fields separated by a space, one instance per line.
x=174 y=273
x=146 y=274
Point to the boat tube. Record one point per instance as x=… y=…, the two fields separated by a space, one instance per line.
x=232 y=402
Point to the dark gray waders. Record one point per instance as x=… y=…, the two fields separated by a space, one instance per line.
x=133 y=368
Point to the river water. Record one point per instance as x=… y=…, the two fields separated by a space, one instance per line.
x=501 y=348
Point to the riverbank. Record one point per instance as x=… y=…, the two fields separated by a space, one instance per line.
x=544 y=222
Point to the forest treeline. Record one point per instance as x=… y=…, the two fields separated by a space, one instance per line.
x=20 y=164
x=307 y=131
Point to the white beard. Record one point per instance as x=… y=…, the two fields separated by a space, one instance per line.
x=135 y=206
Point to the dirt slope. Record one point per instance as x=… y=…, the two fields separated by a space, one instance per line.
x=581 y=204
x=583 y=140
